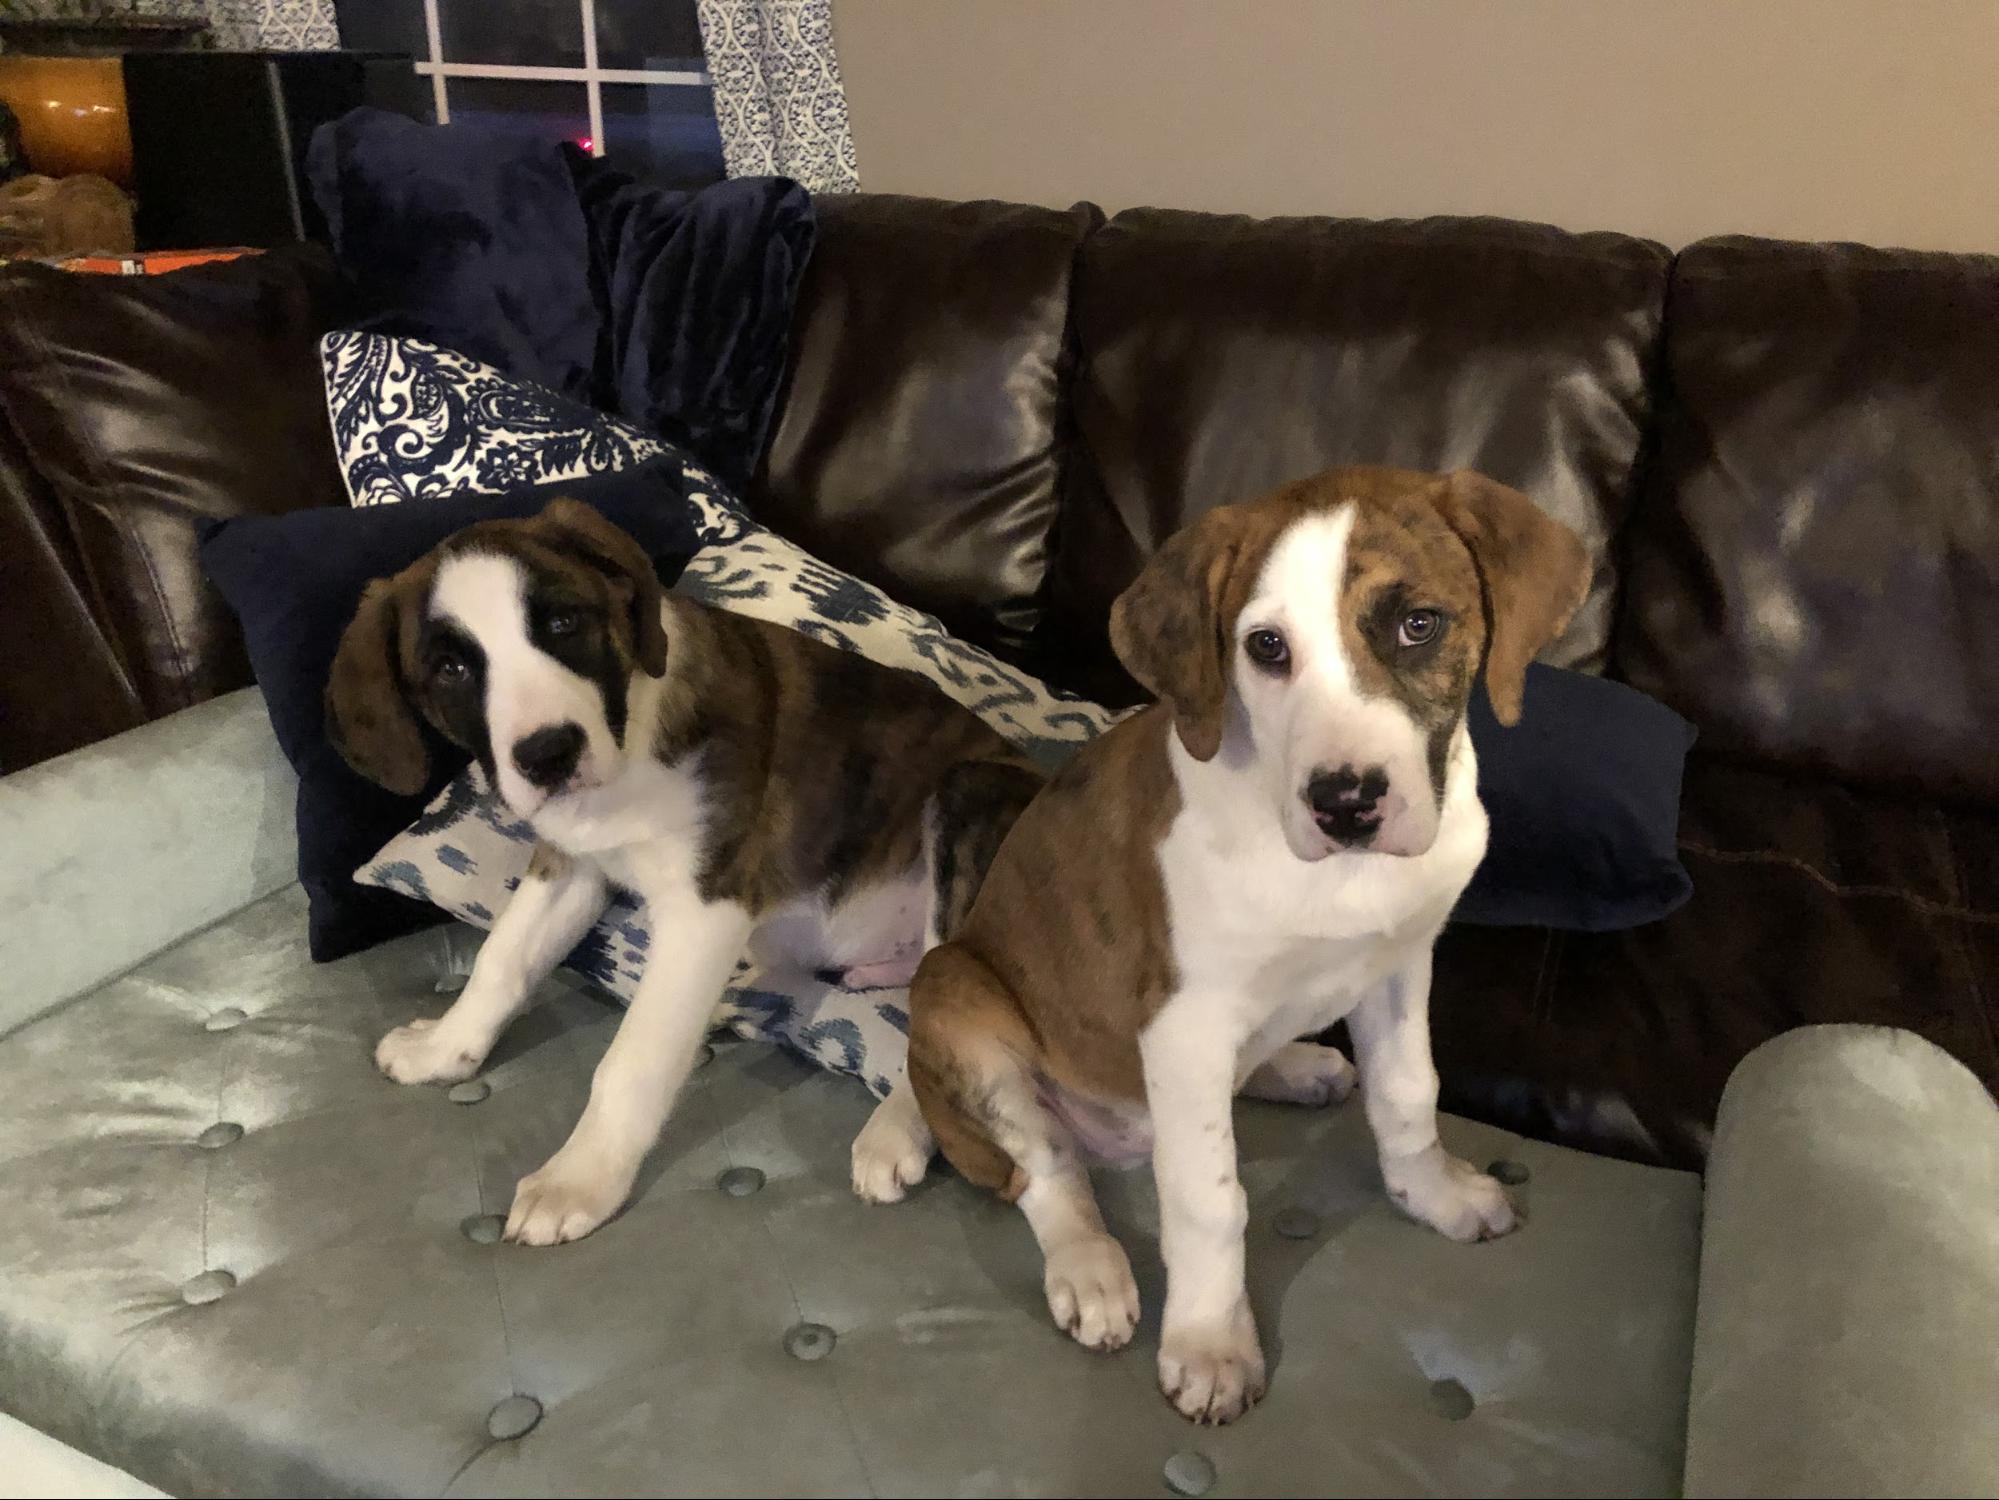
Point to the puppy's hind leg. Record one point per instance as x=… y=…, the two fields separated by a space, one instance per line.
x=1306 y=1073
x=968 y=1051
x=976 y=803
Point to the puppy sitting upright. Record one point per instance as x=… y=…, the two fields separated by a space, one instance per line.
x=754 y=787
x=1273 y=846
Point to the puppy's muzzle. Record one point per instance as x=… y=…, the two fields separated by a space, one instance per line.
x=1346 y=804
x=548 y=757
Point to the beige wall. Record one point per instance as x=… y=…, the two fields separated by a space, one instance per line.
x=1872 y=120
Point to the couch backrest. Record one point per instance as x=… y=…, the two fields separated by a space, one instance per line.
x=1814 y=568
x=919 y=437
x=1221 y=356
x=135 y=408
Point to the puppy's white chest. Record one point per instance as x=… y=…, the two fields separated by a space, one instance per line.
x=647 y=803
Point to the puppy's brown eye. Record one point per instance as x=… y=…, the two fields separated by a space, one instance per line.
x=1266 y=648
x=564 y=622
x=1419 y=627
x=450 y=670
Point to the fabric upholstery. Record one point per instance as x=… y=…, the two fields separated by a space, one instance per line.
x=695 y=294
x=1219 y=357
x=1583 y=797
x=366 y=1338
x=469 y=238
x=295 y=581
x=922 y=433
x=670 y=308
x=148 y=404
x=1815 y=566
x=118 y=850
x=412 y=421
x=1849 y=1303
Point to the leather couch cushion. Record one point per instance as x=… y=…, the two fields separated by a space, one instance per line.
x=72 y=688
x=1813 y=902
x=150 y=403
x=920 y=436
x=1222 y=356
x=1814 y=572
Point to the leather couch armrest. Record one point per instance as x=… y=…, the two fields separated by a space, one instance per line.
x=1849 y=1288
x=115 y=851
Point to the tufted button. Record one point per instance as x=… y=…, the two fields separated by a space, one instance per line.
x=451 y=984
x=1296 y=1223
x=226 y=1019
x=482 y=1229
x=1189 y=1473
x=471 y=1091
x=1450 y=1400
x=1512 y=1173
x=209 y=1286
x=740 y=1182
x=222 y=1133
x=513 y=1418
x=809 y=1341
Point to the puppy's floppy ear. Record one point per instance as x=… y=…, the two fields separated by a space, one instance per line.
x=1167 y=628
x=583 y=532
x=1535 y=573
x=368 y=714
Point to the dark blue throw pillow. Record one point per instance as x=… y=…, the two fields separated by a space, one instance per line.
x=670 y=308
x=1584 y=799
x=294 y=581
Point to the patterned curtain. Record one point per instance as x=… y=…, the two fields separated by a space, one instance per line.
x=257 y=25
x=777 y=91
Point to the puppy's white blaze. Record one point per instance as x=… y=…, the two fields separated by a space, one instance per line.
x=1317 y=718
x=485 y=595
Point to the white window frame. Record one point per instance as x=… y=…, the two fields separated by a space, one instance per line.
x=592 y=77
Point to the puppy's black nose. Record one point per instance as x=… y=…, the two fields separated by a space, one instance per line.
x=1345 y=803
x=548 y=756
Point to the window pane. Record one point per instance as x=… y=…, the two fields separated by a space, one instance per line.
x=532 y=33
x=658 y=35
x=382 y=26
x=663 y=133
x=546 y=111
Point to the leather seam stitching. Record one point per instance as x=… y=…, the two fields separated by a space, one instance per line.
x=1772 y=857
x=1963 y=944
x=94 y=457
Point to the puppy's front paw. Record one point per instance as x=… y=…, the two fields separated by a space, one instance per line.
x=1302 y=1073
x=424 y=1052
x=1091 y=1293
x=1451 y=1196
x=1213 y=1373
x=892 y=1152
x=564 y=1201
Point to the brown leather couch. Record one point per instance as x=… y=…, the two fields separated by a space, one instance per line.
x=1784 y=457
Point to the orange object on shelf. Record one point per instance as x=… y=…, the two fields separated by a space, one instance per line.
x=72 y=114
x=150 y=262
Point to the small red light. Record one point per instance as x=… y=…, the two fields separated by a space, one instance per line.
x=586 y=143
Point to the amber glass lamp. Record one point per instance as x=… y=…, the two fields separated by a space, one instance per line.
x=72 y=114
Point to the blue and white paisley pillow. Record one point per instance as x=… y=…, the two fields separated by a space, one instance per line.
x=412 y=421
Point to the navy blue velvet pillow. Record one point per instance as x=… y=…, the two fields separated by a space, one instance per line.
x=672 y=309
x=1584 y=799
x=294 y=581
x=471 y=239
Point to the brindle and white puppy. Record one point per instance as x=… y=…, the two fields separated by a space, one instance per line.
x=755 y=787
x=1273 y=846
